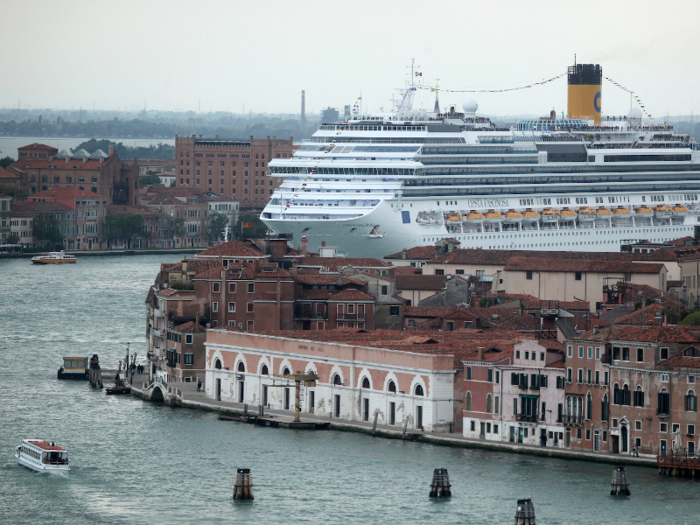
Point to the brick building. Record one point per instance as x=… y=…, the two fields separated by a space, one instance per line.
x=43 y=167
x=233 y=169
x=25 y=213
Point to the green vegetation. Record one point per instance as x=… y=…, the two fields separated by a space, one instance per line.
x=258 y=228
x=6 y=161
x=48 y=231
x=161 y=151
x=691 y=319
x=13 y=238
x=179 y=224
x=117 y=227
x=150 y=180
x=217 y=224
x=12 y=191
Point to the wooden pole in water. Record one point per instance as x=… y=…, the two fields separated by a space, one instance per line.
x=620 y=487
x=440 y=486
x=374 y=425
x=525 y=515
x=243 y=489
x=297 y=408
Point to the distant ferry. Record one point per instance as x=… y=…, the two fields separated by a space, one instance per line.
x=381 y=183
x=42 y=456
x=54 y=258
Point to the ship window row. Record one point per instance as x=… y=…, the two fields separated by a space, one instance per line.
x=339 y=202
x=375 y=149
x=551 y=169
x=470 y=150
x=547 y=180
x=393 y=140
x=343 y=171
x=510 y=159
x=506 y=190
x=646 y=158
x=369 y=127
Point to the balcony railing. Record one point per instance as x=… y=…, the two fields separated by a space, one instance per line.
x=527 y=418
x=568 y=419
x=171 y=363
x=351 y=317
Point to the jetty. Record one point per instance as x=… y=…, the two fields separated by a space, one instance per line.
x=680 y=464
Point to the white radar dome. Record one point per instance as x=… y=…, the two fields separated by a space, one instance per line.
x=470 y=106
x=635 y=113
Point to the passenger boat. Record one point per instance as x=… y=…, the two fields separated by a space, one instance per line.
x=568 y=214
x=73 y=368
x=513 y=216
x=679 y=210
x=603 y=213
x=531 y=216
x=42 y=456
x=493 y=216
x=375 y=234
x=54 y=258
x=644 y=211
x=474 y=217
x=621 y=213
x=550 y=215
x=586 y=213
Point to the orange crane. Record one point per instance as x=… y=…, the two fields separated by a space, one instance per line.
x=309 y=381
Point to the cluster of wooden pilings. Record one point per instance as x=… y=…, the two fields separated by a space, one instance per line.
x=440 y=486
x=243 y=489
x=619 y=485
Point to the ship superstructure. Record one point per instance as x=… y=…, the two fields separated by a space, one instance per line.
x=373 y=185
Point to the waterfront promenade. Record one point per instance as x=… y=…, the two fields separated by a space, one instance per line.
x=188 y=397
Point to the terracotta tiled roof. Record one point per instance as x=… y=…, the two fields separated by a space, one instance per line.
x=408 y=270
x=351 y=295
x=673 y=284
x=680 y=361
x=546 y=264
x=422 y=253
x=193 y=265
x=427 y=311
x=6 y=174
x=668 y=334
x=190 y=326
x=66 y=193
x=316 y=279
x=232 y=249
x=646 y=316
x=556 y=364
x=420 y=282
x=211 y=273
x=500 y=257
x=36 y=145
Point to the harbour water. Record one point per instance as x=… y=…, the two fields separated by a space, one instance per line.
x=135 y=462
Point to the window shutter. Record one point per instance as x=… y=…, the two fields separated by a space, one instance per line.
x=514 y=378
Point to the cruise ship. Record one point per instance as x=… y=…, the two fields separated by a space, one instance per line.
x=375 y=184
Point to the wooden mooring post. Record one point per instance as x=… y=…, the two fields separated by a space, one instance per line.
x=525 y=515
x=440 y=486
x=243 y=489
x=374 y=425
x=620 y=487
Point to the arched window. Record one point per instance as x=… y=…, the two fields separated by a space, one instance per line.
x=264 y=371
x=569 y=411
x=489 y=404
x=217 y=364
x=664 y=398
x=638 y=397
x=605 y=408
x=285 y=371
x=468 y=401
x=336 y=380
x=626 y=395
x=391 y=387
x=365 y=382
x=617 y=395
x=419 y=390
x=241 y=367
x=589 y=406
x=691 y=401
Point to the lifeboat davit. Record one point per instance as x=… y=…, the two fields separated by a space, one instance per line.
x=474 y=217
x=454 y=217
x=531 y=216
x=644 y=211
x=680 y=211
x=550 y=215
x=568 y=214
x=586 y=213
x=493 y=216
x=513 y=216
x=663 y=211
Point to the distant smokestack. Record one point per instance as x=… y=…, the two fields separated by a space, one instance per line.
x=303 y=111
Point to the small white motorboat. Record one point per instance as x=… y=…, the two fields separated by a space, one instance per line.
x=54 y=258
x=42 y=456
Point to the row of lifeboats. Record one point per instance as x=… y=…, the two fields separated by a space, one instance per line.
x=585 y=213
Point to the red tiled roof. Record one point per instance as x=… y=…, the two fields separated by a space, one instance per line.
x=65 y=193
x=44 y=445
x=680 y=361
x=420 y=282
x=408 y=270
x=315 y=279
x=556 y=364
x=232 y=249
x=500 y=257
x=427 y=311
x=673 y=284
x=190 y=326
x=546 y=264
x=351 y=295
x=667 y=334
x=423 y=253
x=6 y=174
x=36 y=145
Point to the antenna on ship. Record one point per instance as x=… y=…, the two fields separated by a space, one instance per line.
x=437 y=102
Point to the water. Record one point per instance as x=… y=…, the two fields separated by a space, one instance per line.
x=135 y=462
x=9 y=145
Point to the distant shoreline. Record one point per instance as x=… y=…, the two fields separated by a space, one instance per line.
x=107 y=253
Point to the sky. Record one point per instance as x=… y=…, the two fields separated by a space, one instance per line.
x=258 y=55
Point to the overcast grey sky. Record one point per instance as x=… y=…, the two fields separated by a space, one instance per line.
x=226 y=55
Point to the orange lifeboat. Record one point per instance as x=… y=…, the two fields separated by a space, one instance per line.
x=531 y=216
x=550 y=215
x=621 y=213
x=679 y=210
x=513 y=216
x=454 y=217
x=568 y=214
x=493 y=216
x=644 y=211
x=474 y=217
x=663 y=211
x=603 y=213
x=586 y=213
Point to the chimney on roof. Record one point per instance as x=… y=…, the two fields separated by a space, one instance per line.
x=480 y=353
x=111 y=150
x=323 y=244
x=184 y=265
x=196 y=320
x=304 y=242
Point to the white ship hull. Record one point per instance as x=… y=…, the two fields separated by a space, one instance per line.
x=350 y=236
